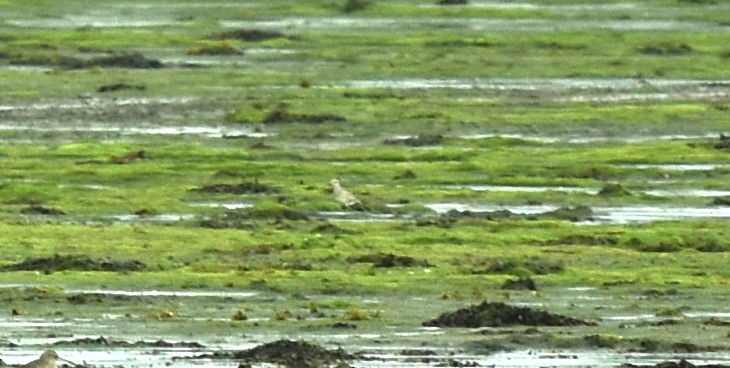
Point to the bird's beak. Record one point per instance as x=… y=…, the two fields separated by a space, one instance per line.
x=70 y=362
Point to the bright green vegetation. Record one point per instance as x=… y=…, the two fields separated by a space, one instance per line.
x=408 y=104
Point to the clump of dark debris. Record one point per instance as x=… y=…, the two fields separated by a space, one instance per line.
x=498 y=314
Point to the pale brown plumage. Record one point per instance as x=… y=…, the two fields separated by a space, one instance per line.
x=47 y=360
x=343 y=196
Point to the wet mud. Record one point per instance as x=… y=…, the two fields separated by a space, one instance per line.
x=497 y=314
x=74 y=262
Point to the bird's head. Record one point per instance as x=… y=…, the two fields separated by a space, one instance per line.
x=49 y=355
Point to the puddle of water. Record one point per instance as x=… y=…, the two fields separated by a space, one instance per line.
x=530 y=84
x=403 y=24
x=586 y=139
x=687 y=192
x=226 y=205
x=90 y=102
x=623 y=97
x=94 y=21
x=524 y=210
x=535 y=6
x=165 y=217
x=592 y=191
x=524 y=189
x=210 y=132
x=615 y=215
x=679 y=167
x=167 y=293
x=621 y=215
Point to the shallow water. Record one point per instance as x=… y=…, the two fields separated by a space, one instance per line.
x=386 y=24
x=613 y=215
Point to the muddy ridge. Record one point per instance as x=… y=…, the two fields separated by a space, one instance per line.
x=498 y=314
x=74 y=262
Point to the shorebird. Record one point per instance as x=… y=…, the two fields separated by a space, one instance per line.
x=47 y=360
x=343 y=196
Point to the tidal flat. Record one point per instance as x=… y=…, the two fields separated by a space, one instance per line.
x=542 y=183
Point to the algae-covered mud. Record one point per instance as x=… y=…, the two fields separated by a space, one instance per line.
x=541 y=183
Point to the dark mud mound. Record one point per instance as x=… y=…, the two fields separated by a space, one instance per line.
x=42 y=210
x=417 y=141
x=721 y=201
x=119 y=87
x=573 y=214
x=251 y=35
x=287 y=353
x=522 y=283
x=667 y=49
x=329 y=228
x=452 y=2
x=669 y=364
x=227 y=220
x=129 y=157
x=724 y=142
x=75 y=262
x=388 y=260
x=253 y=187
x=281 y=116
x=614 y=189
x=579 y=239
x=133 y=60
x=497 y=314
